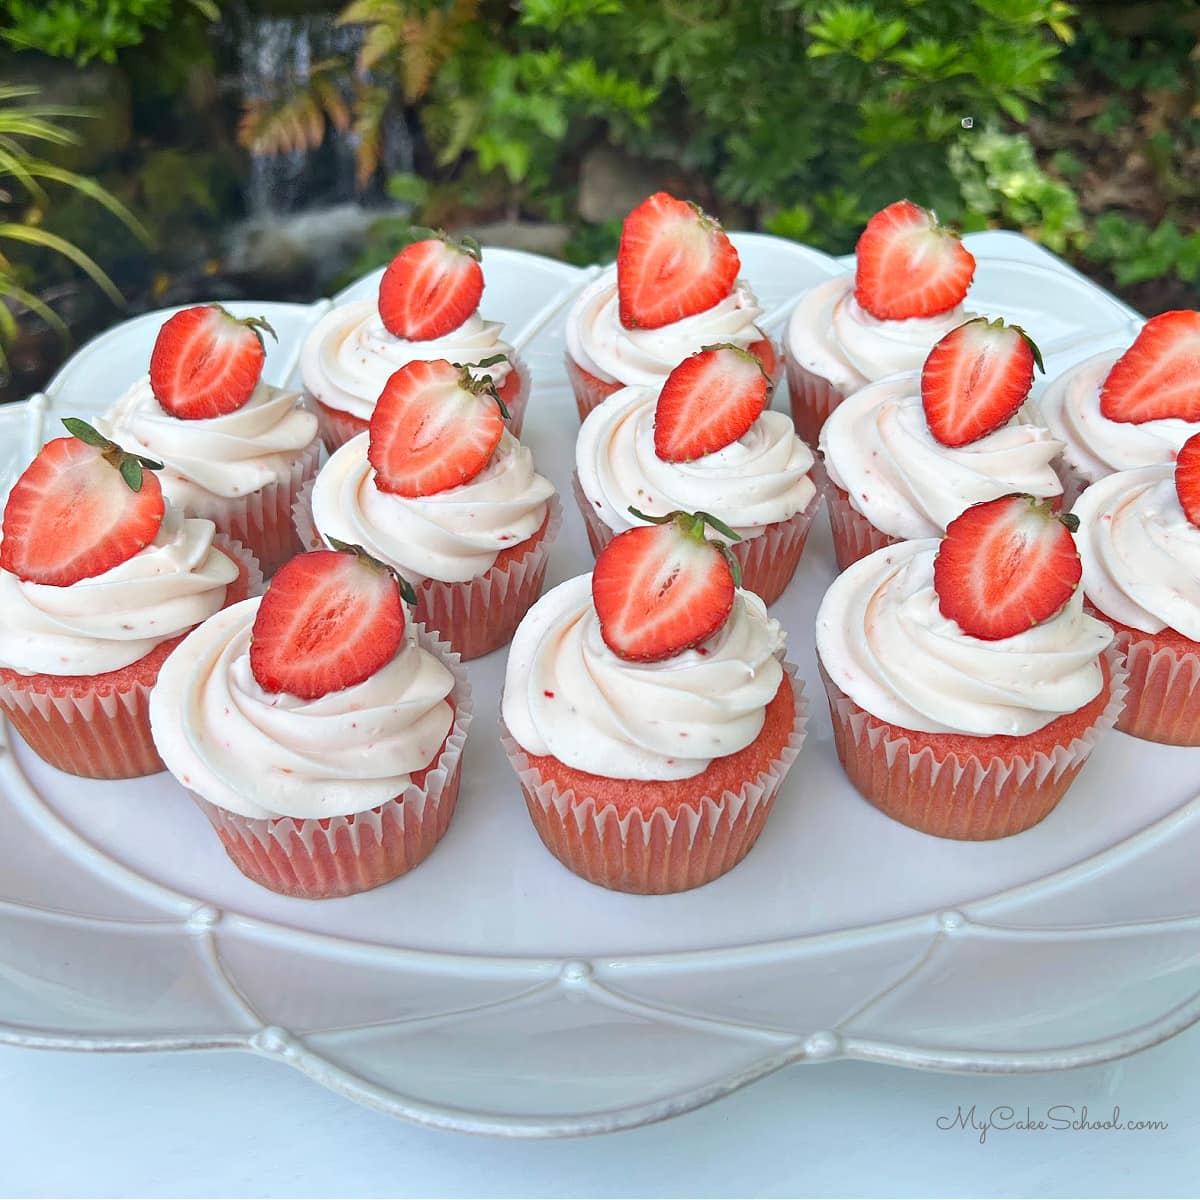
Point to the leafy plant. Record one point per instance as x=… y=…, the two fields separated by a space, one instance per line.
x=296 y=121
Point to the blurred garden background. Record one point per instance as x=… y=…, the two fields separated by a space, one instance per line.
x=156 y=152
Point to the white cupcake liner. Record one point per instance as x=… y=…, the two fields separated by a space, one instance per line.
x=664 y=852
x=318 y=858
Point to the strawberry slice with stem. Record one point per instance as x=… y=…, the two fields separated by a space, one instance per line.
x=1187 y=478
x=82 y=507
x=976 y=378
x=431 y=287
x=329 y=620
x=1006 y=565
x=908 y=265
x=1158 y=377
x=662 y=588
x=673 y=261
x=207 y=362
x=709 y=401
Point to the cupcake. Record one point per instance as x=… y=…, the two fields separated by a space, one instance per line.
x=649 y=715
x=439 y=490
x=319 y=729
x=706 y=440
x=673 y=290
x=100 y=577
x=907 y=454
x=966 y=683
x=1117 y=411
x=427 y=309
x=234 y=450
x=910 y=278
x=1140 y=546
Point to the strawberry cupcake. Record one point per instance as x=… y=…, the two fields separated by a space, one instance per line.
x=648 y=712
x=1140 y=546
x=318 y=729
x=673 y=290
x=706 y=439
x=910 y=279
x=966 y=683
x=100 y=577
x=233 y=449
x=427 y=309
x=907 y=454
x=1117 y=411
x=442 y=492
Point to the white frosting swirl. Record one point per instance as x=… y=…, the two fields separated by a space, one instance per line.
x=756 y=481
x=567 y=694
x=266 y=754
x=1141 y=555
x=229 y=456
x=453 y=535
x=1094 y=445
x=111 y=620
x=884 y=642
x=603 y=347
x=878 y=448
x=349 y=355
x=833 y=336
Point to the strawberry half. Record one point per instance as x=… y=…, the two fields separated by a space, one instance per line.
x=673 y=261
x=434 y=427
x=1006 y=565
x=709 y=401
x=82 y=507
x=910 y=266
x=431 y=287
x=661 y=588
x=1187 y=478
x=207 y=362
x=976 y=378
x=329 y=619
x=1159 y=375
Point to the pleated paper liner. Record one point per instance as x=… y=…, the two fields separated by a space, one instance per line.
x=947 y=795
x=100 y=729
x=319 y=858
x=769 y=560
x=665 y=851
x=478 y=615
x=854 y=537
x=813 y=398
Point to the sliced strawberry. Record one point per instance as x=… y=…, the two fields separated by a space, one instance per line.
x=976 y=378
x=1006 y=565
x=82 y=507
x=709 y=401
x=1187 y=478
x=661 y=588
x=673 y=261
x=207 y=362
x=431 y=287
x=1158 y=377
x=909 y=265
x=329 y=620
x=434 y=427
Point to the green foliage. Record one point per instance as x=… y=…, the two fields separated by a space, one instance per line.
x=1136 y=252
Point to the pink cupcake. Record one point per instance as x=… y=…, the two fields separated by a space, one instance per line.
x=319 y=730
x=966 y=683
x=427 y=309
x=93 y=604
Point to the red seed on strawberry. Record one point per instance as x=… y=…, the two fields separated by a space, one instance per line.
x=662 y=588
x=1187 y=478
x=1006 y=565
x=82 y=507
x=431 y=287
x=976 y=378
x=910 y=266
x=673 y=261
x=434 y=427
x=207 y=362
x=709 y=401
x=1158 y=377
x=329 y=619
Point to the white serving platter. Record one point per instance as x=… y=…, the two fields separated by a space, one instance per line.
x=491 y=990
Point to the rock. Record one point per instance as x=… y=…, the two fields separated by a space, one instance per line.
x=611 y=183
x=537 y=237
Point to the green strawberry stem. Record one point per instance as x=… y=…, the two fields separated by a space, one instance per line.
x=407 y=591
x=692 y=525
x=128 y=464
